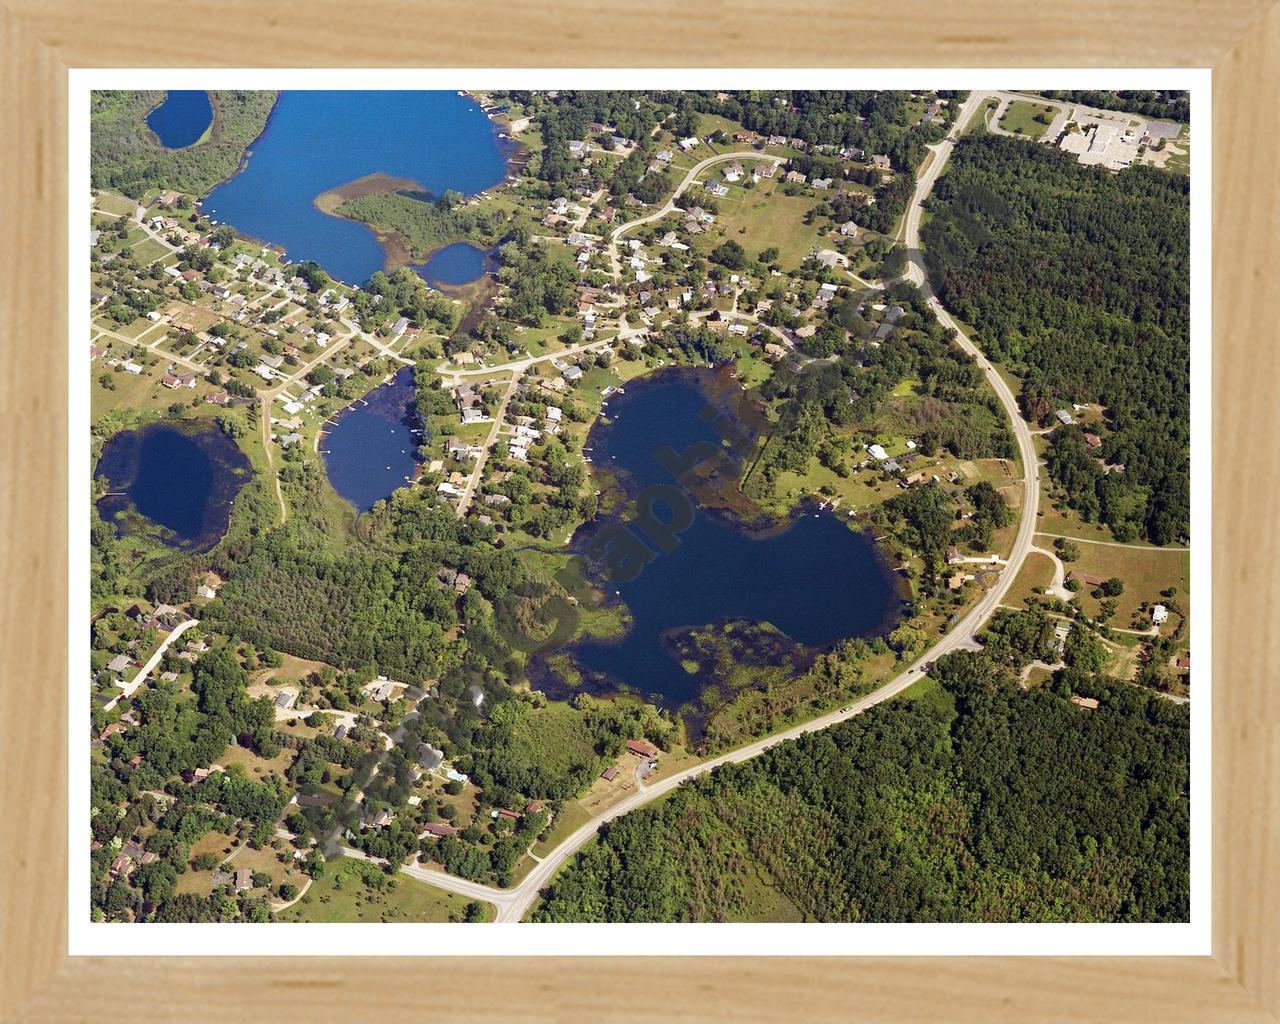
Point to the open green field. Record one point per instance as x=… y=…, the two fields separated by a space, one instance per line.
x=711 y=123
x=1036 y=571
x=763 y=217
x=1068 y=523
x=1146 y=571
x=1020 y=116
x=148 y=250
x=114 y=203
x=345 y=894
x=573 y=815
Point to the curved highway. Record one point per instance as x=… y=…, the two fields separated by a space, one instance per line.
x=512 y=904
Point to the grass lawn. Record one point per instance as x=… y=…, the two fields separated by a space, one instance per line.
x=1145 y=571
x=255 y=767
x=291 y=669
x=1013 y=381
x=344 y=895
x=573 y=815
x=762 y=218
x=753 y=369
x=148 y=250
x=269 y=861
x=1036 y=571
x=1020 y=115
x=708 y=124
x=116 y=204
x=1069 y=524
x=1125 y=658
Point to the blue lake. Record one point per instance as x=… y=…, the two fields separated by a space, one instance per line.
x=180 y=476
x=813 y=577
x=458 y=263
x=371 y=447
x=316 y=141
x=182 y=118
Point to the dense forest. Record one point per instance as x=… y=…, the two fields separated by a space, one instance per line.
x=1174 y=104
x=374 y=601
x=978 y=802
x=876 y=121
x=126 y=156
x=1080 y=280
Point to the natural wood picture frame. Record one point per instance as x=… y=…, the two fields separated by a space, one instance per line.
x=41 y=39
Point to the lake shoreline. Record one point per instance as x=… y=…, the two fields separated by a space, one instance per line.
x=386 y=415
x=805 y=531
x=215 y=132
x=137 y=464
x=397 y=248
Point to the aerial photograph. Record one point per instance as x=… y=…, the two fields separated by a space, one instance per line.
x=638 y=506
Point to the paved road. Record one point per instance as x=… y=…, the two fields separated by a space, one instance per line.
x=452 y=375
x=512 y=904
x=130 y=688
x=473 y=480
x=1113 y=543
x=689 y=179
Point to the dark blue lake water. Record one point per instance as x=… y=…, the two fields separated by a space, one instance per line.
x=814 y=578
x=316 y=141
x=459 y=263
x=371 y=448
x=180 y=476
x=182 y=118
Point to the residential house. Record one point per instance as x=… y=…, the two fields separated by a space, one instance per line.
x=1085 y=579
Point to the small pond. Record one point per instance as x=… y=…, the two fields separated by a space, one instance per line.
x=183 y=117
x=371 y=447
x=176 y=475
x=455 y=264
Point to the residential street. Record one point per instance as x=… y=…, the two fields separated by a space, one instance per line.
x=513 y=904
x=130 y=688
